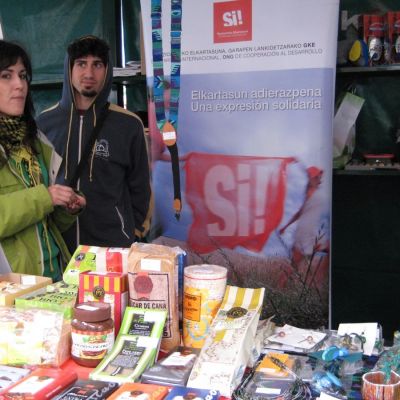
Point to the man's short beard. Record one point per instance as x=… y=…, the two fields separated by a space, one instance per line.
x=89 y=93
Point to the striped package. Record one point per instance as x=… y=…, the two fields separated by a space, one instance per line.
x=223 y=358
x=109 y=287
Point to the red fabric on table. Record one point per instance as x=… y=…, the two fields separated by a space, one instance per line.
x=71 y=365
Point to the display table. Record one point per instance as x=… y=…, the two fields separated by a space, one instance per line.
x=355 y=394
x=83 y=372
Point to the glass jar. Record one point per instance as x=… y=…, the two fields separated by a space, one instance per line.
x=92 y=333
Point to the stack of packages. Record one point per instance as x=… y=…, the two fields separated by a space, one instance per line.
x=35 y=337
x=175 y=333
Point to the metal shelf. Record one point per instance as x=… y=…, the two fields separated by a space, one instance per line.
x=369 y=70
x=367 y=172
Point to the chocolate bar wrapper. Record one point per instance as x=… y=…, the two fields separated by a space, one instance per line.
x=127 y=360
x=139 y=391
x=41 y=384
x=87 y=389
x=174 y=369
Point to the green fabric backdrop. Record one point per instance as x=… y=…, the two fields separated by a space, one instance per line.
x=45 y=28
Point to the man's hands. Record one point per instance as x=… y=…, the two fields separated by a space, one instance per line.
x=65 y=196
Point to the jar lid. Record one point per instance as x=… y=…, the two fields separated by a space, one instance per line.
x=205 y=271
x=92 y=311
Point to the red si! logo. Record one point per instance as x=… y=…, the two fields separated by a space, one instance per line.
x=236 y=200
x=232 y=21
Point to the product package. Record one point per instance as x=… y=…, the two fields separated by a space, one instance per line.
x=204 y=288
x=127 y=360
x=392 y=37
x=92 y=333
x=277 y=375
x=107 y=287
x=11 y=375
x=174 y=369
x=140 y=322
x=227 y=349
x=41 y=384
x=290 y=338
x=63 y=287
x=183 y=393
x=62 y=302
x=155 y=267
x=87 y=389
x=139 y=391
x=265 y=389
x=94 y=258
x=31 y=337
x=374 y=32
x=13 y=285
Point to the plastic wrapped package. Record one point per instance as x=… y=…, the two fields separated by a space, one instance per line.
x=274 y=377
x=153 y=284
x=32 y=337
x=11 y=375
x=227 y=349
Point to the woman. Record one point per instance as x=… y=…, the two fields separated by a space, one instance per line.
x=33 y=210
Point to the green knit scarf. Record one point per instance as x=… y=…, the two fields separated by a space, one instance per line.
x=12 y=133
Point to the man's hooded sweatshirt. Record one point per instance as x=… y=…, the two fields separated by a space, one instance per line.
x=115 y=178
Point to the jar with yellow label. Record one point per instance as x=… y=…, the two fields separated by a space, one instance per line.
x=92 y=333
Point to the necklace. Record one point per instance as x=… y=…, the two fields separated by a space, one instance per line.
x=168 y=127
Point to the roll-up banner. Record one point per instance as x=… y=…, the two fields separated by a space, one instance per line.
x=255 y=89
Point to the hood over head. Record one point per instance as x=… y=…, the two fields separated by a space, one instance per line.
x=68 y=95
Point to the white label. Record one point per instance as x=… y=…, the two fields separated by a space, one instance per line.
x=117 y=250
x=28 y=280
x=326 y=396
x=146 y=341
x=91 y=346
x=268 y=390
x=229 y=324
x=148 y=264
x=32 y=385
x=153 y=316
x=177 y=359
x=169 y=135
x=87 y=307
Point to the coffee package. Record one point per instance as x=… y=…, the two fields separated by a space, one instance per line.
x=227 y=349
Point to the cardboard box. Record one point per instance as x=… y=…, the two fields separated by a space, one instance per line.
x=107 y=287
x=33 y=283
x=41 y=298
x=94 y=258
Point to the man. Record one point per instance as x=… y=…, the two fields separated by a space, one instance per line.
x=115 y=176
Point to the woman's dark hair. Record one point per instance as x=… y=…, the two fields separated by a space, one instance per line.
x=10 y=53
